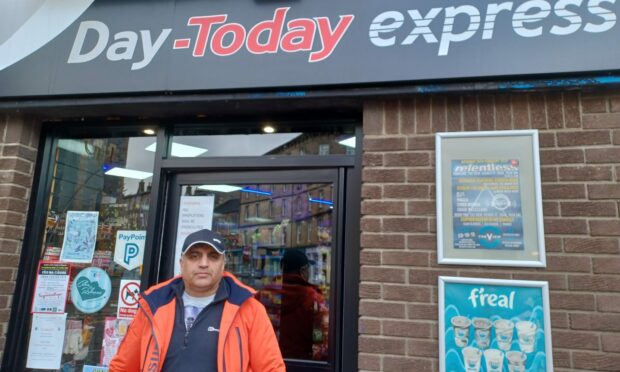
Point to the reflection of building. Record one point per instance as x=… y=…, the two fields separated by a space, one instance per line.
x=312 y=143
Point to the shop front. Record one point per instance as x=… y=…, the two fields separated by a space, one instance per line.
x=309 y=135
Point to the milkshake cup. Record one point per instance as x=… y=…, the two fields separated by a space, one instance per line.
x=494 y=360
x=461 y=330
x=516 y=361
x=526 y=331
x=504 y=330
x=471 y=359
x=482 y=332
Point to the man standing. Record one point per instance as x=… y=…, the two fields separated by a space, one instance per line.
x=203 y=320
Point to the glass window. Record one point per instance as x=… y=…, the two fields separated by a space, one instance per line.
x=91 y=258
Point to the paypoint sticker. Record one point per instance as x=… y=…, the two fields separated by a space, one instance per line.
x=129 y=249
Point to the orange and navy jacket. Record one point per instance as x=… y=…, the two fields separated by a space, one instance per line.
x=246 y=341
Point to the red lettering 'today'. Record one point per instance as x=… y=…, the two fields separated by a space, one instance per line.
x=229 y=38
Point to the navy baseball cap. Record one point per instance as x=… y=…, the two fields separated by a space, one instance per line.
x=204 y=236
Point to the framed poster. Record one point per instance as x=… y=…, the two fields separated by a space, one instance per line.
x=494 y=325
x=489 y=199
x=80 y=237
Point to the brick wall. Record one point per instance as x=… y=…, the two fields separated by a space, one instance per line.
x=580 y=165
x=18 y=149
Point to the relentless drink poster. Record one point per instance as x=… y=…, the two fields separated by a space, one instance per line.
x=494 y=328
x=486 y=204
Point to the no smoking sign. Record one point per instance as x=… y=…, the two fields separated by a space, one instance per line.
x=128 y=299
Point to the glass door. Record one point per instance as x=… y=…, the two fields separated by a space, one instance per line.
x=280 y=229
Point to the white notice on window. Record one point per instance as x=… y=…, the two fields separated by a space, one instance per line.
x=44 y=348
x=195 y=213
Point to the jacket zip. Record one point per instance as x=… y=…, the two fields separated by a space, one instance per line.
x=147 y=352
x=240 y=348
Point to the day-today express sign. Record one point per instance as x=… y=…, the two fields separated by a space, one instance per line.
x=56 y=47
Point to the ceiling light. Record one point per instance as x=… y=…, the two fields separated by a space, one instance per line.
x=349 y=142
x=219 y=188
x=269 y=129
x=128 y=173
x=180 y=150
x=149 y=131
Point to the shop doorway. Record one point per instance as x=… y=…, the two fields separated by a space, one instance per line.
x=283 y=234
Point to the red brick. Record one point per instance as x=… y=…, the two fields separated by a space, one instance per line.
x=575 y=340
x=594 y=105
x=405 y=328
x=572 y=114
x=373 y=117
x=429 y=277
x=503 y=115
x=372 y=159
x=546 y=139
x=419 y=311
x=586 y=173
x=12 y=218
x=368 y=224
x=379 y=175
x=424 y=348
x=551 y=209
x=616 y=139
x=16 y=164
x=556 y=281
x=382 y=309
x=368 y=257
x=591 y=245
x=604 y=191
x=383 y=207
x=601 y=121
x=606 y=265
x=13 y=205
x=565 y=226
x=596 y=361
x=595 y=321
x=392 y=118
x=611 y=342
x=588 y=209
x=572 y=301
x=421 y=242
x=382 y=275
x=406 y=191
x=407 y=364
x=408 y=293
x=369 y=326
x=371 y=191
x=382 y=345
x=13 y=191
x=368 y=362
x=421 y=143
x=560 y=359
x=584 y=138
x=608 y=303
x=566 y=191
x=554 y=110
x=407 y=258
x=597 y=283
x=605 y=227
x=19 y=151
x=406 y=224
x=559 y=319
x=561 y=156
x=438 y=114
x=538 y=115
x=421 y=208
x=385 y=143
x=549 y=174
x=382 y=241
x=610 y=155
x=420 y=175
x=520 y=112
x=370 y=291
x=470 y=113
x=423 y=114
x=407 y=159
x=9 y=246
x=553 y=244
x=11 y=232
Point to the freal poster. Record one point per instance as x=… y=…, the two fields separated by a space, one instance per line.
x=494 y=325
x=90 y=290
x=80 y=237
x=50 y=293
x=129 y=248
x=128 y=295
x=486 y=204
x=195 y=213
x=44 y=348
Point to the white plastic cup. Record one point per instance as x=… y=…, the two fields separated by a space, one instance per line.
x=471 y=358
x=526 y=332
x=461 y=330
x=494 y=360
x=482 y=332
x=516 y=361
x=504 y=330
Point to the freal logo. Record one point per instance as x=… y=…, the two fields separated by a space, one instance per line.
x=129 y=250
x=28 y=25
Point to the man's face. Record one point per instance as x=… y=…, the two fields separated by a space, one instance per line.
x=202 y=268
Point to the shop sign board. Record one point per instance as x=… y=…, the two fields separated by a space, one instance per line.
x=494 y=325
x=60 y=47
x=128 y=296
x=129 y=248
x=489 y=203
